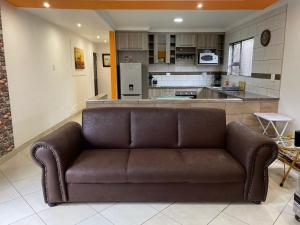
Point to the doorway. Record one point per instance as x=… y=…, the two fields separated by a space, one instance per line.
x=95 y=74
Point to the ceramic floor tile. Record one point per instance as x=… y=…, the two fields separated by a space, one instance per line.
x=8 y=193
x=159 y=206
x=223 y=219
x=68 y=214
x=161 y=219
x=289 y=207
x=19 y=168
x=3 y=179
x=36 y=201
x=29 y=185
x=129 y=214
x=99 y=207
x=95 y=220
x=286 y=219
x=251 y=213
x=32 y=220
x=193 y=214
x=14 y=210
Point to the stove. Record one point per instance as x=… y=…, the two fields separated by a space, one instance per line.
x=192 y=94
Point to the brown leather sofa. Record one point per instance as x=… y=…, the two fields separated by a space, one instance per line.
x=154 y=155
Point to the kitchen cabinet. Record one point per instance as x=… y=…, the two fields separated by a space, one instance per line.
x=208 y=41
x=186 y=40
x=162 y=48
x=132 y=41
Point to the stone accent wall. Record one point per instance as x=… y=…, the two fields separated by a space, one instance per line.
x=6 y=131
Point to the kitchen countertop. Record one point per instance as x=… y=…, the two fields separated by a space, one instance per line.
x=244 y=95
x=175 y=87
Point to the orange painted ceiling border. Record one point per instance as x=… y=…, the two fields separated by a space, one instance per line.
x=148 y=5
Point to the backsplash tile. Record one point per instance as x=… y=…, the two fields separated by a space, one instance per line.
x=184 y=80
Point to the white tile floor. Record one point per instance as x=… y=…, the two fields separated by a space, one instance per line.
x=21 y=203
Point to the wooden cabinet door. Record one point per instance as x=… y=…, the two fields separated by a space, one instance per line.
x=212 y=41
x=143 y=41
x=201 y=41
x=207 y=41
x=133 y=38
x=122 y=41
x=186 y=40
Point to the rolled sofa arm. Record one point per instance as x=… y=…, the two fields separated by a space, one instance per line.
x=255 y=152
x=54 y=153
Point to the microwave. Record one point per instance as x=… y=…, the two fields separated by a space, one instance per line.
x=208 y=58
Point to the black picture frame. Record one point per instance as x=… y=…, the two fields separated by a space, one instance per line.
x=106 y=60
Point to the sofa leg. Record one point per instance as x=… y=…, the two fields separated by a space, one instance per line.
x=257 y=202
x=52 y=204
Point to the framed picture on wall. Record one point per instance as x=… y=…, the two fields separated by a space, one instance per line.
x=106 y=60
x=79 y=59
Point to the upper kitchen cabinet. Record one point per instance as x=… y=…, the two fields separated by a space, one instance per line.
x=162 y=48
x=186 y=40
x=209 y=40
x=133 y=41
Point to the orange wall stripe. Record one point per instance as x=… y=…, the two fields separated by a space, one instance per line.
x=172 y=5
x=113 y=64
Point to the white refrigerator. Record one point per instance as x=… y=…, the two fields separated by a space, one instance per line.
x=131 y=80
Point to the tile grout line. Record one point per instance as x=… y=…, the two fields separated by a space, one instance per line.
x=160 y=212
x=27 y=203
x=220 y=212
x=88 y=216
x=168 y=215
x=282 y=211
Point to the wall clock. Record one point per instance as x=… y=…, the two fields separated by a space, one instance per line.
x=265 y=38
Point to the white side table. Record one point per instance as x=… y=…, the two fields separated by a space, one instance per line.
x=272 y=118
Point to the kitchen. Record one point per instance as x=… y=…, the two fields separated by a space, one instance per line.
x=238 y=69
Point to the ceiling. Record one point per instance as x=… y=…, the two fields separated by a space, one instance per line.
x=93 y=25
x=162 y=20
x=146 y=4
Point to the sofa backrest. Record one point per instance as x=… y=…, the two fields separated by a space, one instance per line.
x=123 y=128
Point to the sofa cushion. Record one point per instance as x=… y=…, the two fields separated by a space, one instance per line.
x=154 y=128
x=186 y=165
x=99 y=166
x=201 y=128
x=106 y=128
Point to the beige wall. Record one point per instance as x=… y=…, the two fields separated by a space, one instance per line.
x=290 y=91
x=104 y=76
x=42 y=86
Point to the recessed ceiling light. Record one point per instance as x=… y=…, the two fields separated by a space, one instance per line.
x=46 y=5
x=79 y=25
x=105 y=41
x=200 y=6
x=98 y=37
x=178 y=20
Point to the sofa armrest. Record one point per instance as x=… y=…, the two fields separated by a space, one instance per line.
x=255 y=152
x=54 y=153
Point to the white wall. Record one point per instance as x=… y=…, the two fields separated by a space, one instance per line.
x=43 y=90
x=104 y=76
x=290 y=92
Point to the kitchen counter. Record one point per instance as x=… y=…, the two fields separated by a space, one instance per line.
x=175 y=87
x=236 y=109
x=246 y=96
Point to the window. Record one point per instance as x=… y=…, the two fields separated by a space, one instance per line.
x=240 y=57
